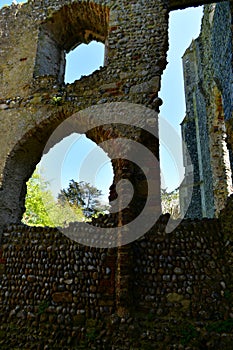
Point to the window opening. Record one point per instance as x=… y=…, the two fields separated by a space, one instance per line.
x=84 y=60
x=5 y=3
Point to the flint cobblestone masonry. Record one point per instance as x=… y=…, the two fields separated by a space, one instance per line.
x=182 y=271
x=206 y=128
x=49 y=280
x=185 y=271
x=46 y=267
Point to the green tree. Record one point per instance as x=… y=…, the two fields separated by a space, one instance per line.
x=36 y=213
x=84 y=195
x=43 y=210
x=72 y=195
x=63 y=214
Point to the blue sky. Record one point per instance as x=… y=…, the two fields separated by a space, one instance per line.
x=184 y=26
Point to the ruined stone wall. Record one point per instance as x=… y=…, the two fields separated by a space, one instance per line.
x=195 y=135
x=35 y=37
x=208 y=89
x=185 y=271
x=41 y=32
x=49 y=269
x=47 y=280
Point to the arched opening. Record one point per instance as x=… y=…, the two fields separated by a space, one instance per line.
x=27 y=153
x=71 y=183
x=68 y=28
x=19 y=166
x=84 y=60
x=96 y=123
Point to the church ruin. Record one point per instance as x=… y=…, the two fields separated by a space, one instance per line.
x=50 y=282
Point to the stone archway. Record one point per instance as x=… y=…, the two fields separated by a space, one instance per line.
x=105 y=125
x=19 y=166
x=32 y=105
x=35 y=100
x=32 y=68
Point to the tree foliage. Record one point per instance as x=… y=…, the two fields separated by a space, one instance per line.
x=43 y=210
x=36 y=213
x=76 y=203
x=72 y=195
x=83 y=195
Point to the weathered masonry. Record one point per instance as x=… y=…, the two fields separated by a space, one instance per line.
x=47 y=279
x=34 y=39
x=207 y=125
